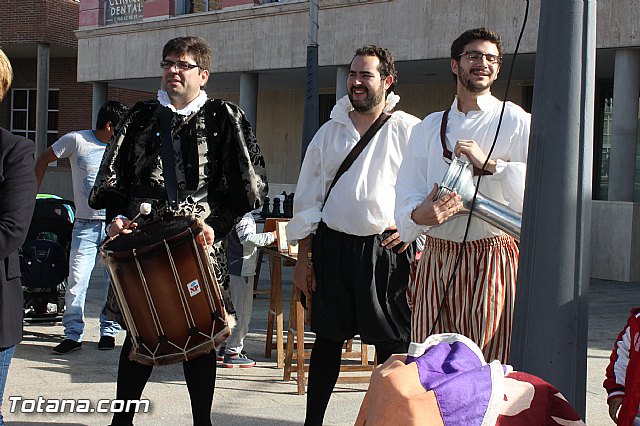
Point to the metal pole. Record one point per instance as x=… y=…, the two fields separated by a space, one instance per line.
x=550 y=319
x=100 y=96
x=342 y=73
x=249 y=97
x=42 y=97
x=311 y=120
x=313 y=22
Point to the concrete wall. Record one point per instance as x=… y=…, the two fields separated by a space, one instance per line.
x=412 y=29
x=57 y=181
x=274 y=37
x=279 y=125
x=615 y=240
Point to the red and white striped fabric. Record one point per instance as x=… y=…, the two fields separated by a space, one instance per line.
x=480 y=301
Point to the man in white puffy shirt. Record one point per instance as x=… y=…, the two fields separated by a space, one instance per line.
x=479 y=302
x=360 y=266
x=84 y=149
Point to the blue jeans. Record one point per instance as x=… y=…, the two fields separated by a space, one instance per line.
x=5 y=359
x=87 y=236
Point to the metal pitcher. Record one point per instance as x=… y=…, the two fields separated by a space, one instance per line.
x=459 y=179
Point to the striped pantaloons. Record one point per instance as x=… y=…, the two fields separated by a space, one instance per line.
x=481 y=292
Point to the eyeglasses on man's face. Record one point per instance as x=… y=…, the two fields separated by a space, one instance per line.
x=475 y=56
x=180 y=65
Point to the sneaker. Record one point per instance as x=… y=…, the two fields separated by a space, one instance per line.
x=241 y=361
x=220 y=354
x=106 y=343
x=67 y=346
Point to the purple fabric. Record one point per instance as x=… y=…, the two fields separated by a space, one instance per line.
x=461 y=382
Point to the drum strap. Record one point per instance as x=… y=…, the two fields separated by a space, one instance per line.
x=445 y=150
x=168 y=157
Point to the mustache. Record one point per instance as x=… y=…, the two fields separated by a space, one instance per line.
x=481 y=69
x=359 y=88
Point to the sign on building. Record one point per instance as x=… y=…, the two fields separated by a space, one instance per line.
x=118 y=11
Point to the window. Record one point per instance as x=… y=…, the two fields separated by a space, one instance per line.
x=326 y=104
x=602 y=144
x=23 y=114
x=602 y=139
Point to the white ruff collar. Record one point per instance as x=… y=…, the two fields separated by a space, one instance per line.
x=192 y=107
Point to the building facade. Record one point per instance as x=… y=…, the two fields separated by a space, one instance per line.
x=259 y=59
x=38 y=37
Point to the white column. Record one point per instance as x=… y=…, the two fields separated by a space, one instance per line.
x=42 y=97
x=249 y=96
x=100 y=94
x=342 y=72
x=624 y=125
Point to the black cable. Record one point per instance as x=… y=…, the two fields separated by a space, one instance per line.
x=475 y=194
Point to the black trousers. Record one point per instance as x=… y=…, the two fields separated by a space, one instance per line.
x=361 y=289
x=324 y=368
x=199 y=373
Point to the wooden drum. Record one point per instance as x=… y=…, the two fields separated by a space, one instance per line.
x=164 y=283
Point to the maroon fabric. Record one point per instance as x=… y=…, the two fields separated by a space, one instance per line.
x=529 y=400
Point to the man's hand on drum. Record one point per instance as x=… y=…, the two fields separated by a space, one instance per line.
x=120 y=225
x=207 y=236
x=434 y=212
x=303 y=276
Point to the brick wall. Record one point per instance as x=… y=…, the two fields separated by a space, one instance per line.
x=35 y=21
x=75 y=100
x=52 y=21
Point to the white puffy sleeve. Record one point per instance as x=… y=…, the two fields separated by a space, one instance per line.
x=309 y=197
x=412 y=184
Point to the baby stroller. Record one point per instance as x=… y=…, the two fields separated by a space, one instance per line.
x=44 y=258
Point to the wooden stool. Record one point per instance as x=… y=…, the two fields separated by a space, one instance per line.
x=275 y=315
x=298 y=350
x=256 y=277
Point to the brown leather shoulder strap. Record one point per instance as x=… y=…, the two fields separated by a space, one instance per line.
x=356 y=150
x=446 y=153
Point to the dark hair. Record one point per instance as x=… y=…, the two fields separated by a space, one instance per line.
x=475 y=34
x=387 y=66
x=111 y=111
x=194 y=46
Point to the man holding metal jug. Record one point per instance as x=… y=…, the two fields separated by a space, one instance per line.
x=465 y=281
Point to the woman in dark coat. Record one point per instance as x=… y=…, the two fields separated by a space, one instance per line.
x=17 y=199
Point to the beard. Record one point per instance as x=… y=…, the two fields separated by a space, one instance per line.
x=472 y=86
x=367 y=104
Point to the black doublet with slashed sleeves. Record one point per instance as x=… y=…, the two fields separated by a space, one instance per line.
x=215 y=146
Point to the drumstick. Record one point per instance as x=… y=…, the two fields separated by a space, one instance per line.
x=145 y=209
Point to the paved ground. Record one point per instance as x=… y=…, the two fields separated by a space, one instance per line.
x=256 y=396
